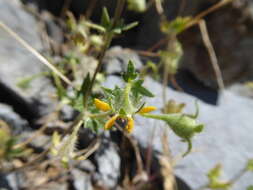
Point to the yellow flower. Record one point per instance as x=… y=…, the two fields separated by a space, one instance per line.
x=147 y=109
x=110 y=122
x=101 y=105
x=130 y=125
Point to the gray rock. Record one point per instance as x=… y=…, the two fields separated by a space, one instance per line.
x=86 y=165
x=11 y=181
x=231 y=38
x=4 y=185
x=117 y=58
x=81 y=180
x=16 y=123
x=242 y=90
x=226 y=139
x=16 y=62
x=108 y=165
x=67 y=113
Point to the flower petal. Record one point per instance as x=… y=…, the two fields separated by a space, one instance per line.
x=101 y=105
x=130 y=124
x=147 y=109
x=110 y=122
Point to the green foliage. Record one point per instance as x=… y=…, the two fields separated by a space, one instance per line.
x=182 y=125
x=128 y=101
x=250 y=187
x=121 y=102
x=137 y=5
x=153 y=67
x=86 y=85
x=105 y=19
x=137 y=88
x=25 y=82
x=214 y=181
x=173 y=107
x=7 y=145
x=249 y=166
x=175 y=26
x=61 y=91
x=118 y=28
x=130 y=74
x=171 y=57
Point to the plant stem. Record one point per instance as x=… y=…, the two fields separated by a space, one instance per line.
x=127 y=103
x=108 y=39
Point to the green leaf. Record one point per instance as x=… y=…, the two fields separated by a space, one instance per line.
x=114 y=98
x=130 y=74
x=129 y=26
x=77 y=103
x=95 y=26
x=214 y=173
x=138 y=88
x=105 y=19
x=117 y=30
x=214 y=181
x=71 y=21
x=61 y=91
x=249 y=166
x=25 y=82
x=250 y=187
x=85 y=88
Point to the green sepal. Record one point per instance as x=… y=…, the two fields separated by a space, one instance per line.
x=182 y=125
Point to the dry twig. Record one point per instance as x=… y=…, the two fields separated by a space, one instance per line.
x=211 y=52
x=35 y=53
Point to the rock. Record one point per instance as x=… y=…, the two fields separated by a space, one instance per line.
x=17 y=63
x=4 y=184
x=231 y=40
x=11 y=181
x=242 y=90
x=67 y=113
x=226 y=138
x=81 y=180
x=107 y=161
x=87 y=166
x=117 y=58
x=13 y=120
